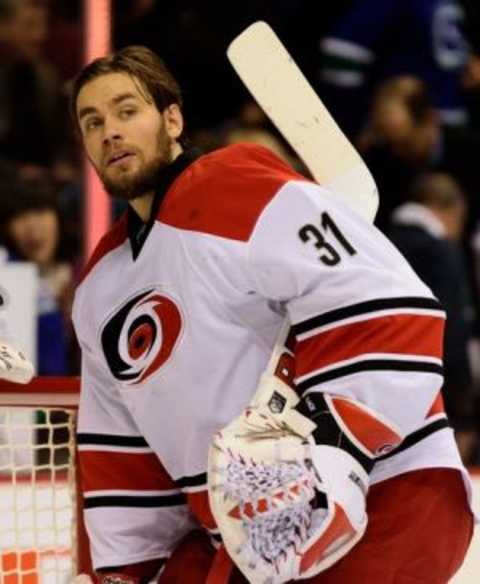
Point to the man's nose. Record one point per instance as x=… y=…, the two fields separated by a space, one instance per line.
x=111 y=131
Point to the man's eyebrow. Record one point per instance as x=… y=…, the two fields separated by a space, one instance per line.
x=85 y=111
x=122 y=97
x=114 y=101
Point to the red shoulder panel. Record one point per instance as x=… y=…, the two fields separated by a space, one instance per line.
x=112 y=239
x=224 y=192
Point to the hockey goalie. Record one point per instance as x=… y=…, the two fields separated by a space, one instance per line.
x=338 y=464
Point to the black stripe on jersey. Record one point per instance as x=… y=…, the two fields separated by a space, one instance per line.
x=192 y=481
x=112 y=440
x=370 y=365
x=367 y=307
x=417 y=436
x=290 y=341
x=134 y=501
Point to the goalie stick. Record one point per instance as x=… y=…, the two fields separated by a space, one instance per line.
x=282 y=91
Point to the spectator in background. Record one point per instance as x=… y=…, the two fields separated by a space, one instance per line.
x=377 y=39
x=34 y=132
x=250 y=125
x=31 y=227
x=427 y=229
x=401 y=138
x=404 y=137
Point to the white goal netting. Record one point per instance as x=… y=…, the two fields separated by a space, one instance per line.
x=38 y=493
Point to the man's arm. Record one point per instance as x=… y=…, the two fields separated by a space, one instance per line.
x=134 y=512
x=350 y=296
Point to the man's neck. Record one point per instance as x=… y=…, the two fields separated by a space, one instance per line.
x=143 y=205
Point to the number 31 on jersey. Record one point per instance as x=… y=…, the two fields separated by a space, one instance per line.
x=331 y=251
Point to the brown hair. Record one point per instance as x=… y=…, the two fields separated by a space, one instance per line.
x=143 y=65
x=436 y=189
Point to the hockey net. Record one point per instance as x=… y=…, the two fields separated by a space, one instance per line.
x=41 y=536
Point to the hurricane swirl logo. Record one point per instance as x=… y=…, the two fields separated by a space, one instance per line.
x=141 y=336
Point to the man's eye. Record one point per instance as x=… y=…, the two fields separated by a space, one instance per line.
x=92 y=124
x=127 y=112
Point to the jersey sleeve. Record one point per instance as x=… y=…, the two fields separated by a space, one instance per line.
x=365 y=326
x=133 y=510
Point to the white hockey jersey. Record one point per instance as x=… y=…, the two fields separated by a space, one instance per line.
x=177 y=319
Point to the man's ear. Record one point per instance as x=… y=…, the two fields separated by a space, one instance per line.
x=173 y=119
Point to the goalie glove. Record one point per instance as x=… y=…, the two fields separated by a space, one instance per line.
x=14 y=366
x=288 y=480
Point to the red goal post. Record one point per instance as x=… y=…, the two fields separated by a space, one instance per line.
x=42 y=536
x=41 y=391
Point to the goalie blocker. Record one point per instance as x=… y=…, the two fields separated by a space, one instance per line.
x=288 y=480
x=14 y=366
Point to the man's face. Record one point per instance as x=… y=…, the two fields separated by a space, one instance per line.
x=126 y=138
x=392 y=121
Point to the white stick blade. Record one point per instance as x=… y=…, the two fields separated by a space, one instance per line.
x=282 y=91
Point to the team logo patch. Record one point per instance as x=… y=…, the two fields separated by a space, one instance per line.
x=277 y=403
x=139 y=338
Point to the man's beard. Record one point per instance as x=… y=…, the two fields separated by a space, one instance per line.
x=145 y=180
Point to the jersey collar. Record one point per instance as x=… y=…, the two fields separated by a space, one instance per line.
x=138 y=231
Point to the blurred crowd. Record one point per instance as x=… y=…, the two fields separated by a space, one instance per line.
x=401 y=77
